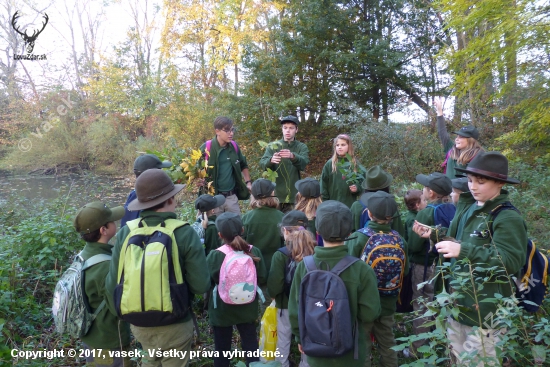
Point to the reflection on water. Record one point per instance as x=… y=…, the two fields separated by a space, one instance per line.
x=77 y=189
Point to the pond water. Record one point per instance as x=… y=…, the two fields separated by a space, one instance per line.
x=76 y=189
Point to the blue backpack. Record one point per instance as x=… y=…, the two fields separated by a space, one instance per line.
x=443 y=214
x=532 y=287
x=324 y=314
x=385 y=254
x=364 y=219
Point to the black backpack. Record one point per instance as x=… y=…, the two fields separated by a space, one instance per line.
x=532 y=287
x=290 y=269
x=324 y=314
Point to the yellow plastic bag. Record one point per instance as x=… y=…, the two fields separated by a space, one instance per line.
x=268 y=332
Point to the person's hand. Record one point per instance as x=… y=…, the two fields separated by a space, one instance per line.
x=300 y=348
x=421 y=230
x=353 y=188
x=249 y=186
x=438 y=103
x=204 y=221
x=276 y=159
x=285 y=153
x=448 y=248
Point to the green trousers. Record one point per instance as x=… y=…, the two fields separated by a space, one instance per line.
x=382 y=329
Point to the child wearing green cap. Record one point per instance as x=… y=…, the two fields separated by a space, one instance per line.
x=96 y=224
x=209 y=207
x=308 y=198
x=299 y=243
x=333 y=223
x=415 y=202
x=381 y=209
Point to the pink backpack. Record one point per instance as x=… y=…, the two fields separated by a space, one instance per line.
x=238 y=283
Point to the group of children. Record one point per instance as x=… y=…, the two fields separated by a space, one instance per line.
x=331 y=219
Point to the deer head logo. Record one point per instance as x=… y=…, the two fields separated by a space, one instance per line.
x=29 y=40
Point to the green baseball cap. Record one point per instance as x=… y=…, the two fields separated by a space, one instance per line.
x=95 y=215
x=460 y=184
x=229 y=225
x=436 y=181
x=381 y=204
x=290 y=118
x=308 y=187
x=333 y=221
x=294 y=218
x=148 y=161
x=207 y=202
x=262 y=188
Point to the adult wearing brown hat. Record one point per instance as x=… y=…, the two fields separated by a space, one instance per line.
x=155 y=198
x=461 y=150
x=376 y=179
x=287 y=159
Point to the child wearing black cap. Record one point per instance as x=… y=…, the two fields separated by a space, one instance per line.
x=437 y=188
x=299 y=242
x=381 y=209
x=333 y=223
x=307 y=200
x=224 y=316
x=209 y=206
x=464 y=147
x=95 y=223
x=460 y=185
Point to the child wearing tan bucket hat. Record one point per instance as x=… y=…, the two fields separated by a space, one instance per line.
x=155 y=198
x=498 y=247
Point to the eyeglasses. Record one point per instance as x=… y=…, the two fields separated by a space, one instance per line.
x=232 y=130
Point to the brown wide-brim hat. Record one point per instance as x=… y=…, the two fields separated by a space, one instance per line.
x=153 y=187
x=491 y=165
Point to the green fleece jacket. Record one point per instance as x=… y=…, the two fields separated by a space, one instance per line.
x=409 y=221
x=357 y=245
x=363 y=296
x=288 y=170
x=237 y=159
x=334 y=187
x=261 y=227
x=276 y=280
x=225 y=314
x=448 y=144
x=507 y=251
x=418 y=246
x=357 y=209
x=107 y=331
x=191 y=253
x=211 y=239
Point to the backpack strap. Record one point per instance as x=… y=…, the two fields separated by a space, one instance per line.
x=94 y=260
x=343 y=264
x=310 y=263
x=209 y=145
x=284 y=250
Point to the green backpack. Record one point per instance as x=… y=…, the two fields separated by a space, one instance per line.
x=151 y=290
x=70 y=308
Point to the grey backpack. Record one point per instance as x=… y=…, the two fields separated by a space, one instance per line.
x=324 y=314
x=71 y=312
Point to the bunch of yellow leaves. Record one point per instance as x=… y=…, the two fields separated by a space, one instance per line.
x=194 y=169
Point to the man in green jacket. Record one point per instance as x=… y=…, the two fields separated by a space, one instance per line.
x=155 y=198
x=226 y=166
x=288 y=159
x=96 y=225
x=334 y=225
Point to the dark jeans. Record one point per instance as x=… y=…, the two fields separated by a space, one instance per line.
x=222 y=341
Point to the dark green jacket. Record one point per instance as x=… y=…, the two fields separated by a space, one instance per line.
x=357 y=209
x=334 y=187
x=237 y=159
x=507 y=250
x=276 y=280
x=262 y=230
x=191 y=252
x=211 y=239
x=363 y=296
x=288 y=170
x=224 y=314
x=418 y=246
x=448 y=144
x=356 y=247
x=107 y=331
x=409 y=221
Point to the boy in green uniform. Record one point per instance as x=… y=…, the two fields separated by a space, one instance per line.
x=460 y=185
x=287 y=160
x=437 y=188
x=381 y=209
x=504 y=248
x=155 y=198
x=415 y=202
x=96 y=225
x=333 y=223
x=376 y=179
